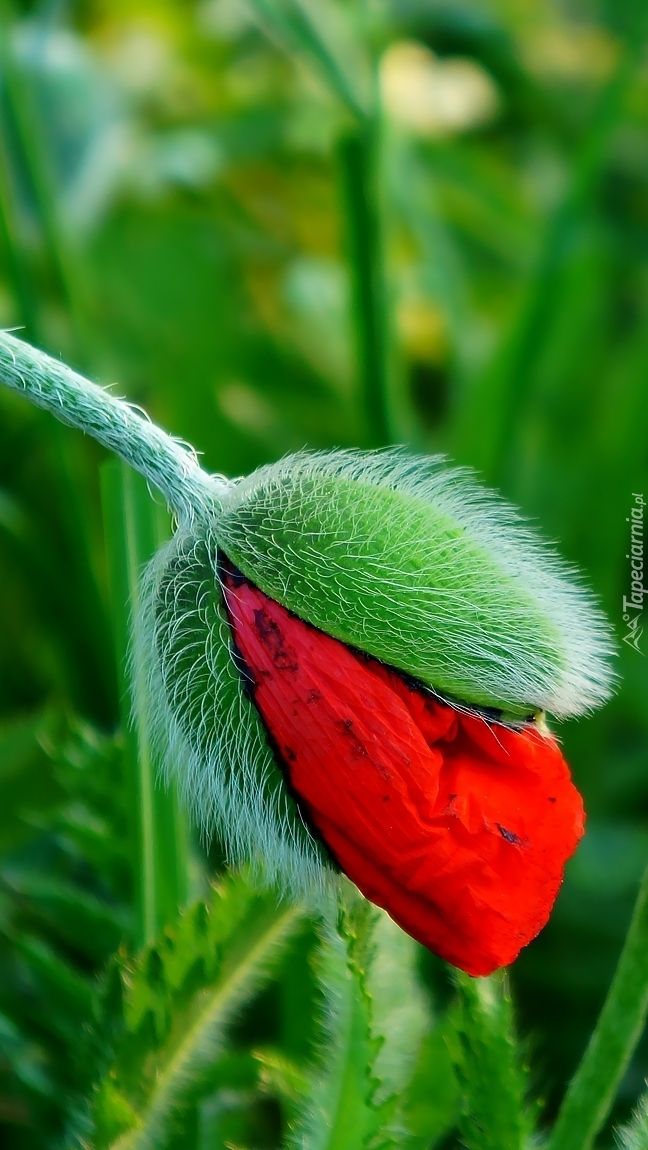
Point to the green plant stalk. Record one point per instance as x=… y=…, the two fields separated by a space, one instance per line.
x=23 y=295
x=359 y=159
x=487 y=433
x=165 y=462
x=135 y=528
x=293 y=25
x=591 y=1093
x=495 y=1115
x=359 y=166
x=16 y=115
x=33 y=146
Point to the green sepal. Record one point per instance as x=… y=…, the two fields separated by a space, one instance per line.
x=416 y=565
x=208 y=731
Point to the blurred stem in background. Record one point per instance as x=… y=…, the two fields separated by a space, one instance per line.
x=29 y=135
x=134 y=525
x=24 y=154
x=487 y=427
x=359 y=164
x=25 y=300
x=313 y=32
x=593 y=1089
x=135 y=528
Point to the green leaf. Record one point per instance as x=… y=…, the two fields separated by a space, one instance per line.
x=430 y=1104
x=341 y=1110
x=281 y=1077
x=24 y=1058
x=165 y=1013
x=413 y=1066
x=400 y=1009
x=593 y=1088
x=74 y=915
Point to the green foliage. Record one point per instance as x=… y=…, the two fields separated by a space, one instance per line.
x=321 y=32
x=338 y=1111
x=65 y=891
x=591 y=1092
x=431 y=1100
x=164 y=1015
x=495 y=1114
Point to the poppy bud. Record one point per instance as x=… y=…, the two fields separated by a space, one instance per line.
x=458 y=827
x=351 y=657
x=348 y=657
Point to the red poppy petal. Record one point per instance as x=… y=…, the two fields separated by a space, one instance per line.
x=458 y=827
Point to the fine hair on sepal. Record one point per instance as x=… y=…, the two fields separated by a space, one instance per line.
x=415 y=563
x=205 y=730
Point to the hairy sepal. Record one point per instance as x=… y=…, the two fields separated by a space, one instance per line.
x=418 y=566
x=206 y=731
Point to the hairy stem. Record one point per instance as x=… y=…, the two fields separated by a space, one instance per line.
x=592 y=1091
x=169 y=465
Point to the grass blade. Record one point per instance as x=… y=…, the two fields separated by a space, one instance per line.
x=301 y=27
x=486 y=429
x=33 y=145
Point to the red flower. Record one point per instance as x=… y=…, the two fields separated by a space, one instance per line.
x=457 y=826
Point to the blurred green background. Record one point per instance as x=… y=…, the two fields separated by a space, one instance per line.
x=174 y=216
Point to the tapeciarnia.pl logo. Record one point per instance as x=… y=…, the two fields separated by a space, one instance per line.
x=634 y=603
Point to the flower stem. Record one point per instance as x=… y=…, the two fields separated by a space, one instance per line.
x=168 y=464
x=592 y=1091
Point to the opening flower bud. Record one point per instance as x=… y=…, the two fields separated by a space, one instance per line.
x=348 y=656
x=352 y=658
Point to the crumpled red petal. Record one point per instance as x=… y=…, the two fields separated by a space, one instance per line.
x=458 y=827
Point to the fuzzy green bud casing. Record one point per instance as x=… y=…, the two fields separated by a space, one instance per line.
x=413 y=563
x=325 y=639
x=399 y=558
x=206 y=730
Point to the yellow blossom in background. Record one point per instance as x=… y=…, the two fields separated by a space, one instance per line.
x=432 y=96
